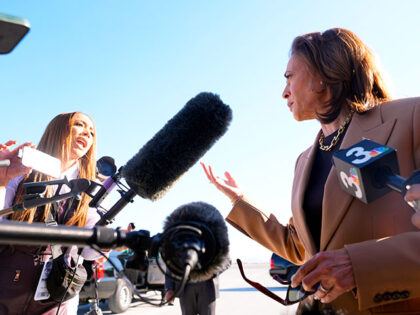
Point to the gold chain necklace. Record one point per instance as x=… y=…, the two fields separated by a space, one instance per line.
x=336 y=137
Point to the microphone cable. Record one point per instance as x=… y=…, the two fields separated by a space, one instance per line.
x=68 y=287
x=133 y=288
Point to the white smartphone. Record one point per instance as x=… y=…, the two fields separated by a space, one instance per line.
x=40 y=161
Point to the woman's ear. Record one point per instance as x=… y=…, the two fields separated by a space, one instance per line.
x=317 y=85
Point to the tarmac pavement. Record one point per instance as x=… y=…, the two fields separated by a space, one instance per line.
x=236 y=296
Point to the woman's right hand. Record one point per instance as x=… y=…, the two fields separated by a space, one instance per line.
x=16 y=167
x=226 y=185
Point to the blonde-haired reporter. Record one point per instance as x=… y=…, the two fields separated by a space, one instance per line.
x=70 y=137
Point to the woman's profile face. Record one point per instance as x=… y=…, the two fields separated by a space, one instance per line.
x=82 y=134
x=303 y=92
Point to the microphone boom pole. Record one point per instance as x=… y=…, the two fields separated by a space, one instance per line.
x=40 y=234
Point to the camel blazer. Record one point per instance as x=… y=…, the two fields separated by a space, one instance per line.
x=383 y=245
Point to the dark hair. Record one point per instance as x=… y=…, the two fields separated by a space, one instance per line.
x=346 y=66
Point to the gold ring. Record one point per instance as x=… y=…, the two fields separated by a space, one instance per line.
x=323 y=289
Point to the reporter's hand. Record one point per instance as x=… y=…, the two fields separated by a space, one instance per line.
x=413 y=194
x=169 y=296
x=332 y=269
x=15 y=168
x=226 y=185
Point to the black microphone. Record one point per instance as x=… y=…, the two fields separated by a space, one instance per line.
x=369 y=170
x=195 y=234
x=170 y=153
x=177 y=146
x=106 y=166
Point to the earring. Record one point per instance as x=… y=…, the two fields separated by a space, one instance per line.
x=320 y=82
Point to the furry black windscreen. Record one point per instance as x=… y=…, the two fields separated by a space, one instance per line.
x=177 y=146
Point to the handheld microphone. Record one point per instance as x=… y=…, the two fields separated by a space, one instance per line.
x=177 y=146
x=369 y=170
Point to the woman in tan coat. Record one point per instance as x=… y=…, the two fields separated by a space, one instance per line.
x=366 y=257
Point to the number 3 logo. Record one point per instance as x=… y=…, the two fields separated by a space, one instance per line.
x=359 y=152
x=349 y=182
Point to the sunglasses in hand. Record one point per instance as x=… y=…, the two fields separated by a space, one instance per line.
x=284 y=276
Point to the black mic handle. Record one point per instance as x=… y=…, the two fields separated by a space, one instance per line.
x=395 y=182
x=106 y=187
x=125 y=199
x=191 y=257
x=93 y=203
x=400 y=184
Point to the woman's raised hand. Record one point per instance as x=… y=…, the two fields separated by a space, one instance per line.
x=16 y=167
x=226 y=185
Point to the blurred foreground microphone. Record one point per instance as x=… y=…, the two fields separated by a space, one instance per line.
x=195 y=235
x=369 y=170
x=177 y=146
x=194 y=244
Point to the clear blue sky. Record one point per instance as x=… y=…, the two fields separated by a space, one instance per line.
x=131 y=65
